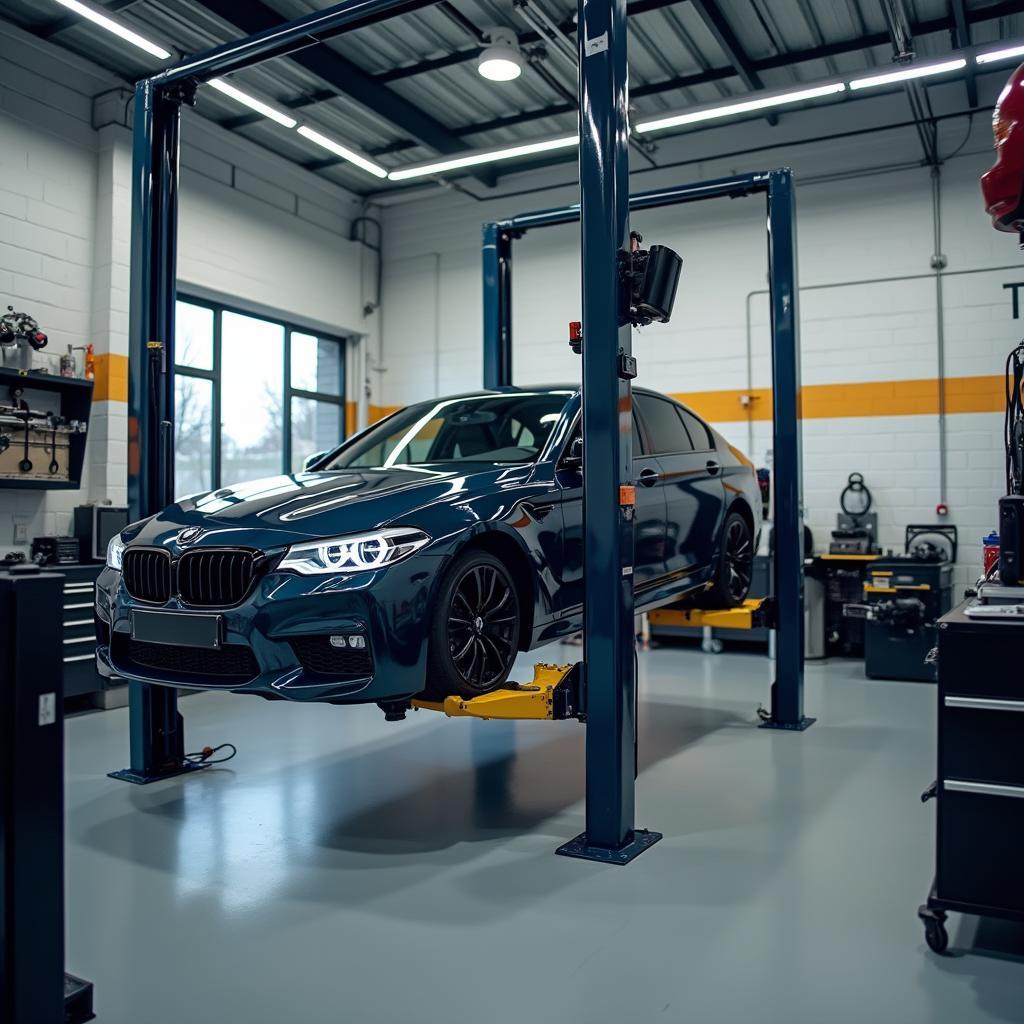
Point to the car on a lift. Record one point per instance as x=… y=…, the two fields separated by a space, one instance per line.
x=420 y=556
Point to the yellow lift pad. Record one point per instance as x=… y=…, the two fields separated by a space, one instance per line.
x=747 y=616
x=534 y=700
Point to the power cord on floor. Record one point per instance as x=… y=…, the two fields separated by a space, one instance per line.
x=204 y=758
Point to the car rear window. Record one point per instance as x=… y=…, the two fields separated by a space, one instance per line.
x=698 y=430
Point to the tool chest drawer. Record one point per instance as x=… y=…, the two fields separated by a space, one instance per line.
x=981 y=845
x=982 y=739
x=980 y=658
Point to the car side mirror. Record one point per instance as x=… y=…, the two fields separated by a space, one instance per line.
x=311 y=460
x=573 y=458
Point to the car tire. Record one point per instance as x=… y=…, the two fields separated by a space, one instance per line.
x=734 y=567
x=474 y=636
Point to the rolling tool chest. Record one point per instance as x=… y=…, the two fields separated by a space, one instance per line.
x=979 y=787
x=79 y=632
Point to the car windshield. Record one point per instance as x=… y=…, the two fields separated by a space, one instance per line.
x=480 y=428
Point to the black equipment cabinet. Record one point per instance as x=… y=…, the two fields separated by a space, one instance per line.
x=980 y=782
x=843 y=577
x=33 y=986
x=906 y=597
x=78 y=633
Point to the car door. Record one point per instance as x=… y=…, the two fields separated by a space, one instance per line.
x=691 y=480
x=649 y=532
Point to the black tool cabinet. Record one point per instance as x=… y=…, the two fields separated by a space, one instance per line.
x=979 y=787
x=79 y=630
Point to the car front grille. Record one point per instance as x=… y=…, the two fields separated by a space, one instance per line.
x=147 y=574
x=207 y=578
x=216 y=578
x=319 y=658
x=233 y=664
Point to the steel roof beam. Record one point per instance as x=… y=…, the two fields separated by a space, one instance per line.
x=255 y=17
x=728 y=42
x=963 y=42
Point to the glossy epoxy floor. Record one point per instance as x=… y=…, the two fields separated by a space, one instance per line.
x=342 y=868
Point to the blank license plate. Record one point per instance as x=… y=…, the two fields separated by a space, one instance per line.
x=179 y=628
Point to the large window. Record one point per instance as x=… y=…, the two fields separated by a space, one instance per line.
x=253 y=397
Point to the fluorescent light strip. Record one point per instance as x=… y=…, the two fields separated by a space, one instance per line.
x=485 y=157
x=908 y=73
x=343 y=151
x=746 y=106
x=105 y=21
x=1005 y=54
x=254 y=104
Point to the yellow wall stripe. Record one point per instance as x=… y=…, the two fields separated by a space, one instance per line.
x=868 y=398
x=817 y=401
x=111 y=378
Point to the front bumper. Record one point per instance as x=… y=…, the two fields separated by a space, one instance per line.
x=389 y=607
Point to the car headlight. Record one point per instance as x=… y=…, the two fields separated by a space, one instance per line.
x=355 y=553
x=115 y=552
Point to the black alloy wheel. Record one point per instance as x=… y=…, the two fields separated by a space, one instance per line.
x=739 y=558
x=731 y=582
x=475 y=637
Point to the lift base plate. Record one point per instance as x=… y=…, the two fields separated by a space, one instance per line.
x=77 y=1000
x=804 y=723
x=145 y=778
x=581 y=849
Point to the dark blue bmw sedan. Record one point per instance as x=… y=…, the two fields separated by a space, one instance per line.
x=420 y=556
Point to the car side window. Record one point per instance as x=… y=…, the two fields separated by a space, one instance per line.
x=698 y=430
x=638 y=444
x=665 y=429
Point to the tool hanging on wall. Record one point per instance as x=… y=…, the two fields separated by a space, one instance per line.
x=54 y=464
x=26 y=463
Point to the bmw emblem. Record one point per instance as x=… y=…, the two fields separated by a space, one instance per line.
x=189 y=534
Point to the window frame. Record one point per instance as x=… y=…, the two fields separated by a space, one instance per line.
x=289 y=393
x=708 y=436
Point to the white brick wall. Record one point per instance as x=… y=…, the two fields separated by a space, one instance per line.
x=270 y=236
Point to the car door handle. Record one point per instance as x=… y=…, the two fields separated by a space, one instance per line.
x=648 y=477
x=713 y=467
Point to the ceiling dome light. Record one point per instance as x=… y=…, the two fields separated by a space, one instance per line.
x=501 y=61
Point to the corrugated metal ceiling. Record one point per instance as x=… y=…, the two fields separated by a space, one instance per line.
x=678 y=57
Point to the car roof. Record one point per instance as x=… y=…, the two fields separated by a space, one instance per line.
x=570 y=388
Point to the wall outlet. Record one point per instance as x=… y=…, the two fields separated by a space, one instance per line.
x=21 y=533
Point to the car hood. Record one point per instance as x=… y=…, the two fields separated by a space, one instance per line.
x=284 y=510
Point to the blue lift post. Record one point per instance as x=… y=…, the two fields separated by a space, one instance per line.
x=156 y=727
x=787 y=692
x=609 y=670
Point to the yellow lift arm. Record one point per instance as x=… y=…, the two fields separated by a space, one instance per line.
x=553 y=694
x=752 y=614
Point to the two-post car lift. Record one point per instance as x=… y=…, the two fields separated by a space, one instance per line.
x=602 y=689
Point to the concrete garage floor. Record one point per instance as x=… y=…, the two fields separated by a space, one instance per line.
x=341 y=868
